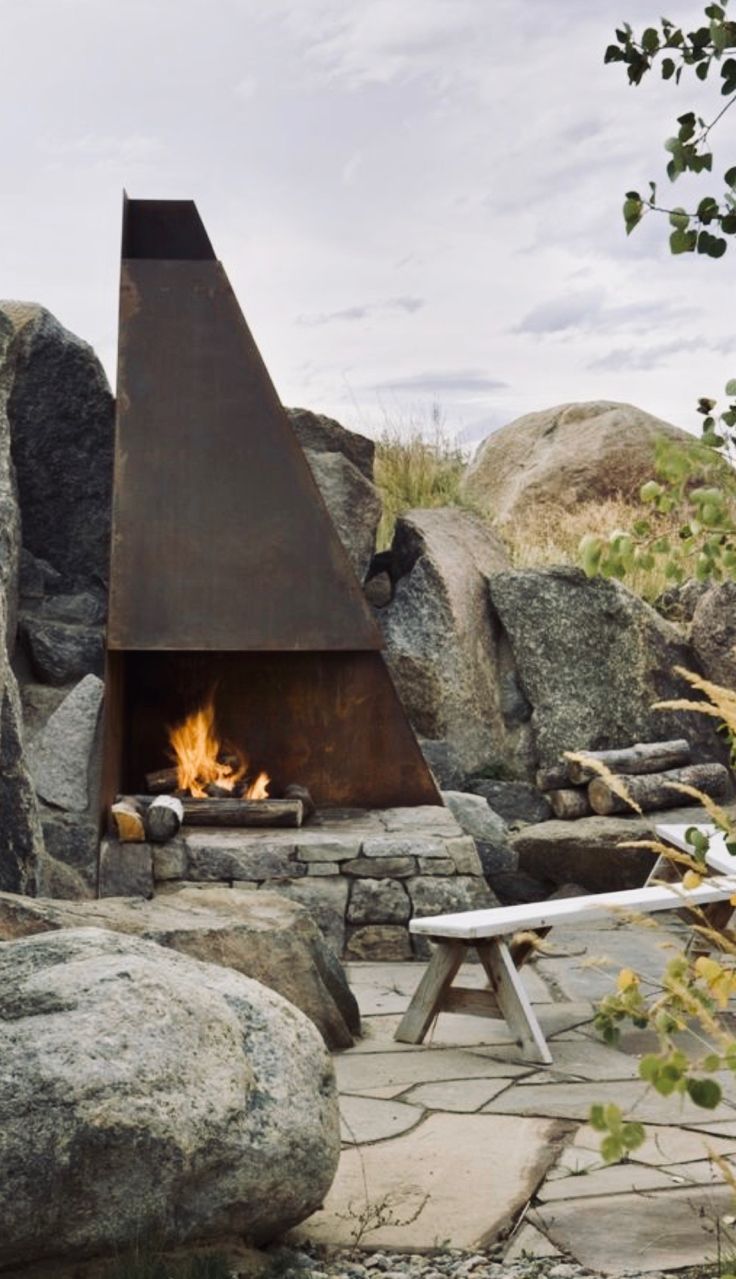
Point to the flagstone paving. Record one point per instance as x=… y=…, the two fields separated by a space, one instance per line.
x=460 y=1143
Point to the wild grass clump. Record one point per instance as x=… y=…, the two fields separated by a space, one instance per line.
x=147 y=1263
x=552 y=535
x=416 y=469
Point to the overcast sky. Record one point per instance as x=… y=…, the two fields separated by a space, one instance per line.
x=417 y=201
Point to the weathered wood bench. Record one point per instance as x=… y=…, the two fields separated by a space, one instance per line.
x=487 y=931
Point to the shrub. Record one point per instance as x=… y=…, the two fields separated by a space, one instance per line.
x=414 y=469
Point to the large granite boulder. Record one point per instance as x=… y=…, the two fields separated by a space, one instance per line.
x=62 y=424
x=713 y=633
x=146 y=1094
x=321 y=434
x=10 y=537
x=341 y=462
x=442 y=645
x=591 y=851
x=353 y=502
x=565 y=455
x=21 y=841
x=260 y=935
x=592 y=658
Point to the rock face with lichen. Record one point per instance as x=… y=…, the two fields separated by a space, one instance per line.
x=148 y=1095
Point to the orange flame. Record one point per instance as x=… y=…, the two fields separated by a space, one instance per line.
x=200 y=760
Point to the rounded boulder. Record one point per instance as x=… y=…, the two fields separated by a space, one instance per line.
x=144 y=1094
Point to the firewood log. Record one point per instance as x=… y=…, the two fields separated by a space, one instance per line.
x=569 y=804
x=230 y=812
x=295 y=791
x=162 y=782
x=128 y=823
x=555 y=778
x=644 y=757
x=653 y=790
x=163 y=818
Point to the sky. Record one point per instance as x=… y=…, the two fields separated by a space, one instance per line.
x=417 y=202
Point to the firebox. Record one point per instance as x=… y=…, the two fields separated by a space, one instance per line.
x=229 y=587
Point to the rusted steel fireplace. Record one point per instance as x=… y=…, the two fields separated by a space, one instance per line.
x=227 y=577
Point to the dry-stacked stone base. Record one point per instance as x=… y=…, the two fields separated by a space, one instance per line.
x=363 y=875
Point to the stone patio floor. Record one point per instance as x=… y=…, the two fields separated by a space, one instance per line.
x=458 y=1143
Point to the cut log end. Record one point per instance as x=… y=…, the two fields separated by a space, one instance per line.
x=163 y=818
x=653 y=791
x=128 y=823
x=569 y=804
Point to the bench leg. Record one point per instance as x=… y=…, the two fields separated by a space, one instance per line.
x=513 y=1000
x=427 y=998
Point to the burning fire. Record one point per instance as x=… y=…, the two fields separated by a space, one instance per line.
x=201 y=760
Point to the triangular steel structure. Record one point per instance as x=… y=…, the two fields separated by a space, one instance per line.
x=226 y=569
x=221 y=538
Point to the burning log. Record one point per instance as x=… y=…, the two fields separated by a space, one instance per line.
x=645 y=757
x=653 y=790
x=228 y=812
x=163 y=818
x=295 y=791
x=128 y=822
x=162 y=782
x=569 y=804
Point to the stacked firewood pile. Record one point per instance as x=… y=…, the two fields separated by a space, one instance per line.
x=647 y=770
x=159 y=816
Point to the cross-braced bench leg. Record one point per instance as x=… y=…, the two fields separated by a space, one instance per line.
x=427 y=998
x=513 y=1000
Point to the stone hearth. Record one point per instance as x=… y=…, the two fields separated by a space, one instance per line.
x=362 y=874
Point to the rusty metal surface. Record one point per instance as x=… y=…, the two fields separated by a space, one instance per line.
x=221 y=539
x=331 y=721
x=170 y=229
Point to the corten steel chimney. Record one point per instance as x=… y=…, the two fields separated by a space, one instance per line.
x=226 y=570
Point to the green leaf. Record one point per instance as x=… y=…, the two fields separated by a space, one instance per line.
x=633 y=211
x=614 y=54
x=679 y=219
x=668 y=68
x=702 y=70
x=704 y=1092
x=730 y=387
x=683 y=241
x=650 y=40
x=596 y=1118
x=730 y=177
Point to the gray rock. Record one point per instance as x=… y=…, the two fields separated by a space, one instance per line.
x=10 y=533
x=378 y=901
x=147 y=1094
x=463 y=854
x=378 y=590
x=353 y=502
x=380 y=867
x=440 y=641
x=326 y=900
x=212 y=855
x=386 y=942
x=400 y=845
x=73 y=840
x=440 y=895
x=473 y=815
x=37 y=577
x=678 y=603
x=438 y=866
x=126 y=870
x=60 y=652
x=558 y=457
x=589 y=852
x=513 y=801
x=62 y=424
x=260 y=935
x=444 y=762
x=83 y=608
x=21 y=840
x=323 y=434
x=59 y=757
x=713 y=633
x=592 y=658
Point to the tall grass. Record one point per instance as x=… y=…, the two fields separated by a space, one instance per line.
x=552 y=535
x=416 y=469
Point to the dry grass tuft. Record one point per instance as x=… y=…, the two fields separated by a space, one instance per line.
x=415 y=470
x=552 y=535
